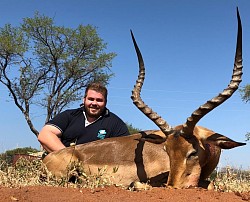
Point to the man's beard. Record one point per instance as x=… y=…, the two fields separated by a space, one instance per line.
x=93 y=114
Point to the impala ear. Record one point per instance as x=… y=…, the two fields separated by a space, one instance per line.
x=223 y=142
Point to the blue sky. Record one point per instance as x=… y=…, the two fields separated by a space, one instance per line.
x=188 y=49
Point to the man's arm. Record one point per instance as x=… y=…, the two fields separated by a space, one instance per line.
x=49 y=138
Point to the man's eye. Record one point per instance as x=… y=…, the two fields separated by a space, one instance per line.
x=99 y=100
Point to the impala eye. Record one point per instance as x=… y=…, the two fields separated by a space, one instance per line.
x=192 y=154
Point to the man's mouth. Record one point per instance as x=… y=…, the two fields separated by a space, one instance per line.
x=94 y=109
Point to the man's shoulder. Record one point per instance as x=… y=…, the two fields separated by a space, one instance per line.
x=73 y=111
x=112 y=116
x=70 y=113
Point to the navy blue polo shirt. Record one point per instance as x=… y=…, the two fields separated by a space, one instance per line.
x=72 y=125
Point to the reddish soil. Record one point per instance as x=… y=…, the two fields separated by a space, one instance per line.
x=42 y=193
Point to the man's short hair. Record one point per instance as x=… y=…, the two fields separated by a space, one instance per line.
x=98 y=87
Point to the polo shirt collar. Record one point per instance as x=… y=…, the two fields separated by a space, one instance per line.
x=87 y=123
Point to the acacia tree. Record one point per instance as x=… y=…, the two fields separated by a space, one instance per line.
x=49 y=66
x=245 y=95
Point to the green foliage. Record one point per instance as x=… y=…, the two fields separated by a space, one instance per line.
x=245 y=96
x=245 y=93
x=48 y=66
x=132 y=129
x=12 y=41
x=23 y=150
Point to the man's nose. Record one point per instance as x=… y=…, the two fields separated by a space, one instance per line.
x=94 y=102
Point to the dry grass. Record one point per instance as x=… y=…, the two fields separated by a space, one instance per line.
x=33 y=172
x=232 y=180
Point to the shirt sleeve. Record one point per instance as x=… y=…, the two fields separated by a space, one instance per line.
x=60 y=121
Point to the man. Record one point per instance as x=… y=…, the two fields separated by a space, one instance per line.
x=92 y=121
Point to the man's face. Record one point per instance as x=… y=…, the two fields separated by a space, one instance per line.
x=94 y=104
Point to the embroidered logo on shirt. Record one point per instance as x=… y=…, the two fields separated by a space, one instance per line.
x=101 y=134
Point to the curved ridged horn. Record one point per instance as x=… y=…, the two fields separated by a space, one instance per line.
x=188 y=127
x=162 y=124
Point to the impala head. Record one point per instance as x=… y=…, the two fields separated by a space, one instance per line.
x=186 y=148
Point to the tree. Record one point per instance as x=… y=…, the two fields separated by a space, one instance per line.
x=48 y=66
x=245 y=93
x=245 y=96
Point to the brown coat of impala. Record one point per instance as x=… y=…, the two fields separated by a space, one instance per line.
x=180 y=157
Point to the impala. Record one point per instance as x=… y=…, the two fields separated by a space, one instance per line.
x=180 y=157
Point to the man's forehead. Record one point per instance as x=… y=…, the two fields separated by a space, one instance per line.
x=93 y=93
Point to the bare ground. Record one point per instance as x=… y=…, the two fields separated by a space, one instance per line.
x=46 y=193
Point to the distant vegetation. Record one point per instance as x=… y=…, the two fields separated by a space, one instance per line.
x=8 y=155
x=132 y=129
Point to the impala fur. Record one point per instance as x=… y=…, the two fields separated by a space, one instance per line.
x=180 y=157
